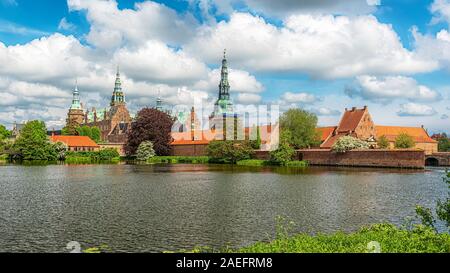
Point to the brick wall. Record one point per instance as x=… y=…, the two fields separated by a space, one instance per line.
x=189 y=150
x=120 y=147
x=365 y=158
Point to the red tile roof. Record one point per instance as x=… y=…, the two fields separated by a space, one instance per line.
x=351 y=119
x=325 y=132
x=419 y=134
x=75 y=141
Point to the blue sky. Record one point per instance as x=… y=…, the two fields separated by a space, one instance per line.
x=323 y=56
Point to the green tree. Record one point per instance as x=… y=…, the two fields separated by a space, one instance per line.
x=85 y=131
x=302 y=125
x=348 y=143
x=145 y=151
x=95 y=134
x=70 y=129
x=256 y=144
x=61 y=150
x=230 y=151
x=33 y=143
x=444 y=143
x=383 y=142
x=4 y=133
x=404 y=141
x=285 y=152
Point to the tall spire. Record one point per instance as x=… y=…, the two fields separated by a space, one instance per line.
x=224 y=86
x=159 y=106
x=76 y=105
x=118 y=97
x=224 y=103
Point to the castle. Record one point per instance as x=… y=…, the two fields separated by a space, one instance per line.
x=113 y=121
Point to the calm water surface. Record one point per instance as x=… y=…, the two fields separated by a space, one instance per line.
x=133 y=208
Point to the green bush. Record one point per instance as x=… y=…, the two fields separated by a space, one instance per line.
x=33 y=143
x=383 y=142
x=230 y=151
x=145 y=151
x=4 y=157
x=404 y=141
x=105 y=155
x=348 y=143
x=285 y=153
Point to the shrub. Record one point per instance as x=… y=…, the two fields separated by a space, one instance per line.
x=61 y=150
x=383 y=142
x=285 y=152
x=33 y=143
x=229 y=151
x=348 y=143
x=145 y=151
x=298 y=164
x=404 y=141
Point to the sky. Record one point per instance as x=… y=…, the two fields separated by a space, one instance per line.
x=319 y=55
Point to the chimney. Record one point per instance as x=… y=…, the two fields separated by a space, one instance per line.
x=365 y=107
x=353 y=109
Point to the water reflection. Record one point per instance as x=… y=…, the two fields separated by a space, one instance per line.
x=142 y=208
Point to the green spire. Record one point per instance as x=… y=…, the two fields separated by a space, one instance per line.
x=76 y=105
x=117 y=96
x=159 y=102
x=224 y=105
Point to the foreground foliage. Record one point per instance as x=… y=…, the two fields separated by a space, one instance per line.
x=145 y=151
x=420 y=239
x=349 y=143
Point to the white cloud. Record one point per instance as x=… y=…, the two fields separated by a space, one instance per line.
x=444 y=116
x=240 y=81
x=325 y=111
x=112 y=27
x=66 y=25
x=323 y=46
x=248 y=98
x=290 y=97
x=9 y=2
x=154 y=61
x=414 y=109
x=392 y=87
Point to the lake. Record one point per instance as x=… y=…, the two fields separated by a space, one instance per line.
x=155 y=208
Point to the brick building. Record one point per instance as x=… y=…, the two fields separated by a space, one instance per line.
x=359 y=124
x=77 y=143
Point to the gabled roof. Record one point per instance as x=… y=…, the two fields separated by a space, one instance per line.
x=325 y=132
x=75 y=141
x=419 y=134
x=350 y=120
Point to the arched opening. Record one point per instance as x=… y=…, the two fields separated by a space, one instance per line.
x=431 y=161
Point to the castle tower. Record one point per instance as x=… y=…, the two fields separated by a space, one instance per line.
x=224 y=105
x=76 y=113
x=118 y=98
x=159 y=102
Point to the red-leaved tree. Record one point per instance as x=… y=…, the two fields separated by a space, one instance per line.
x=150 y=125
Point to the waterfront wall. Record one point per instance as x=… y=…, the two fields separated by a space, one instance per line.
x=365 y=158
x=189 y=150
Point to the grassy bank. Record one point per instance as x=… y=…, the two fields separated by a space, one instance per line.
x=179 y=159
x=90 y=160
x=207 y=160
x=391 y=239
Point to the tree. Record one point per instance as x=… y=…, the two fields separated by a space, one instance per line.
x=33 y=143
x=444 y=143
x=95 y=134
x=348 y=143
x=61 y=150
x=145 y=151
x=4 y=133
x=256 y=144
x=302 y=126
x=383 y=142
x=285 y=152
x=404 y=141
x=230 y=151
x=70 y=129
x=150 y=125
x=84 y=131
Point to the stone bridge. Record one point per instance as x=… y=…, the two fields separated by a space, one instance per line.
x=438 y=159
